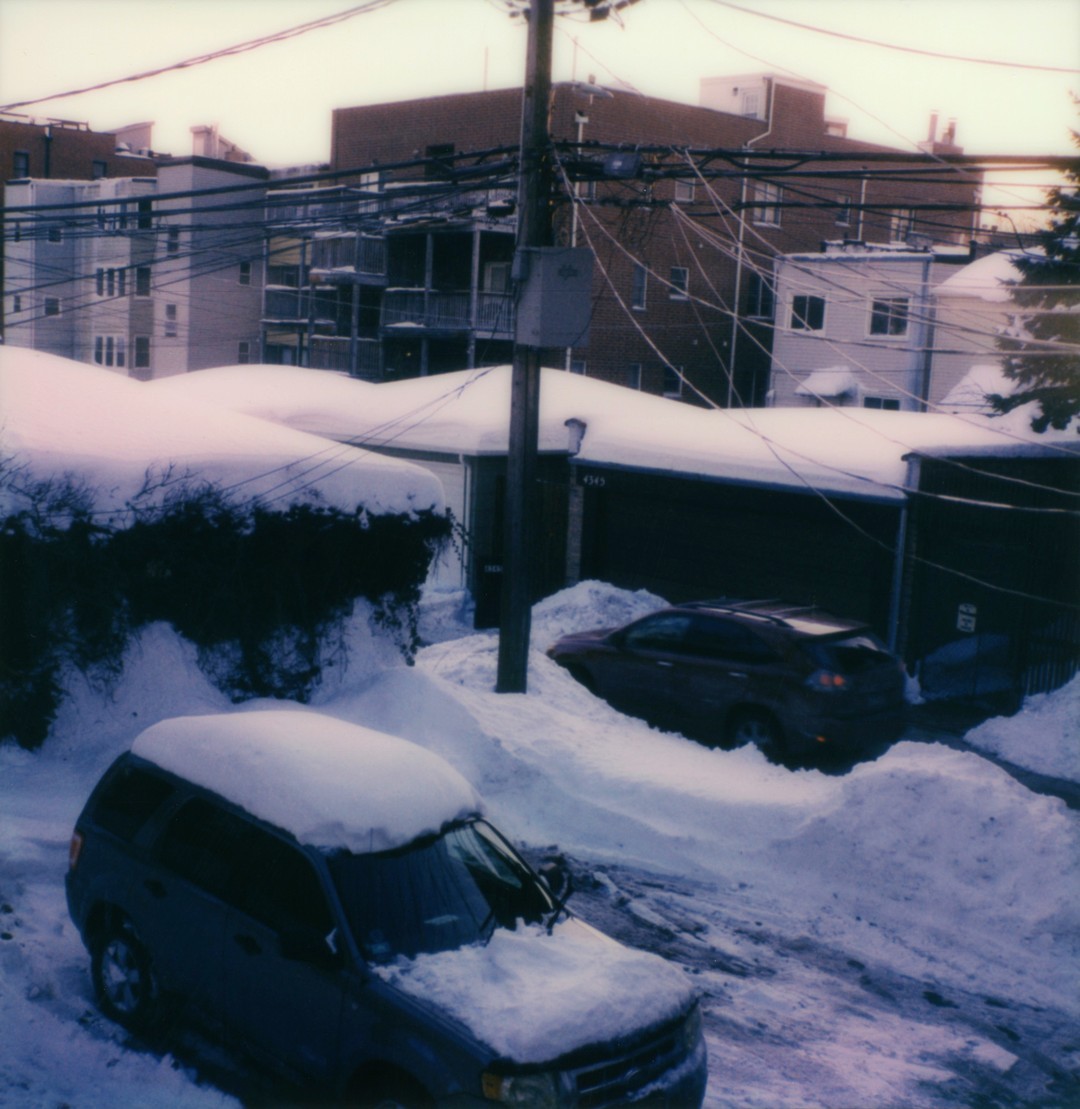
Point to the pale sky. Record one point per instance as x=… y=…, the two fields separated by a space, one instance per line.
x=276 y=101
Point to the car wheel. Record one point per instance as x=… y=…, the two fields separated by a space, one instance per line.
x=759 y=728
x=124 y=979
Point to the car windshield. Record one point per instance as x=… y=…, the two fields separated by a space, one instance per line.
x=437 y=894
x=851 y=654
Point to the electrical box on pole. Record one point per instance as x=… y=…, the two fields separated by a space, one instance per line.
x=555 y=298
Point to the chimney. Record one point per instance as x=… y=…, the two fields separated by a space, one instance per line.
x=932 y=136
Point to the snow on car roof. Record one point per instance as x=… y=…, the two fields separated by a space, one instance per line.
x=332 y=784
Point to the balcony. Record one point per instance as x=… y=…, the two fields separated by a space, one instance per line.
x=335 y=353
x=285 y=305
x=349 y=258
x=449 y=312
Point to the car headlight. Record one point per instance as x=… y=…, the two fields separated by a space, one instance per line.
x=524 y=1091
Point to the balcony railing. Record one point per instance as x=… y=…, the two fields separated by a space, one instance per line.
x=404 y=308
x=335 y=353
x=298 y=306
x=349 y=256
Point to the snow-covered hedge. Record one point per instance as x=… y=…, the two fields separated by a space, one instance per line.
x=262 y=593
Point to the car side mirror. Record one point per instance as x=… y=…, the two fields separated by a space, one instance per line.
x=556 y=876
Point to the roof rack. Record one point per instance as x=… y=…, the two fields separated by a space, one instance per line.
x=745 y=608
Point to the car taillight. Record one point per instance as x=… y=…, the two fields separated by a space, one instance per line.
x=74 y=849
x=828 y=680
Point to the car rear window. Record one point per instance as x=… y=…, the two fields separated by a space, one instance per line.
x=130 y=797
x=852 y=654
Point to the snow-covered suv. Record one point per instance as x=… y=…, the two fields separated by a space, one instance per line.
x=795 y=681
x=330 y=900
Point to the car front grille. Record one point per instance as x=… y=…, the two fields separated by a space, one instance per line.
x=613 y=1081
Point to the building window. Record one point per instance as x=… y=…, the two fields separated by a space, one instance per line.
x=751 y=103
x=142 y=352
x=766 y=210
x=52 y=306
x=843 y=210
x=901 y=224
x=55 y=234
x=170 y=321
x=578 y=366
x=807 y=313
x=684 y=192
x=890 y=404
x=673 y=381
x=146 y=214
x=109 y=350
x=243 y=353
x=20 y=163
x=16 y=303
x=245 y=273
x=633 y=375
x=142 y=281
x=172 y=241
x=889 y=317
x=99 y=169
x=680 y=283
x=760 y=300
x=637 y=292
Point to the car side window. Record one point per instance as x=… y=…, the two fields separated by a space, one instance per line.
x=277 y=885
x=246 y=866
x=718 y=638
x=129 y=799
x=665 y=632
x=200 y=844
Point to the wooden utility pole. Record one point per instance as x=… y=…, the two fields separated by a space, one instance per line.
x=534 y=230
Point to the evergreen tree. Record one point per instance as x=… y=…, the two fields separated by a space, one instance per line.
x=1042 y=347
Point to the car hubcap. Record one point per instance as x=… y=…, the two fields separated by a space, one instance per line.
x=122 y=976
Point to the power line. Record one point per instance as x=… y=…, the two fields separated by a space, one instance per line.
x=202 y=59
x=894 y=45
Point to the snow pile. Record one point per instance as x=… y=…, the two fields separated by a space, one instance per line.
x=120 y=438
x=1045 y=737
x=534 y=996
x=330 y=783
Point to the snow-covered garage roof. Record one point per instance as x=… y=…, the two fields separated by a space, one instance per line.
x=837 y=450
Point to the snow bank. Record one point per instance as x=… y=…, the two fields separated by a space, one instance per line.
x=1044 y=737
x=117 y=435
x=533 y=996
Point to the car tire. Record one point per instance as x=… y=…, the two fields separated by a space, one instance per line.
x=759 y=728
x=124 y=979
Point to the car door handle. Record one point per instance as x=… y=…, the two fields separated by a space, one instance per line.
x=248 y=944
x=156 y=888
x=736 y=674
x=664 y=663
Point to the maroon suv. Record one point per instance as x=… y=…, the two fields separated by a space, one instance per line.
x=795 y=681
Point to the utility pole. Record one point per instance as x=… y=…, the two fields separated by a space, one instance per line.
x=534 y=230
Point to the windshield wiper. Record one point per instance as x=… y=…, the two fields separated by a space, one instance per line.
x=557 y=876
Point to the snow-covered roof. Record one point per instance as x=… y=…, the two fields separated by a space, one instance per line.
x=332 y=784
x=971 y=392
x=58 y=416
x=836 y=381
x=838 y=450
x=986 y=279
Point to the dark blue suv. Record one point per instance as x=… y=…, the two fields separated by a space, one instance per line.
x=331 y=901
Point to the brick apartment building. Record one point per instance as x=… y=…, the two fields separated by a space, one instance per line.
x=680 y=242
